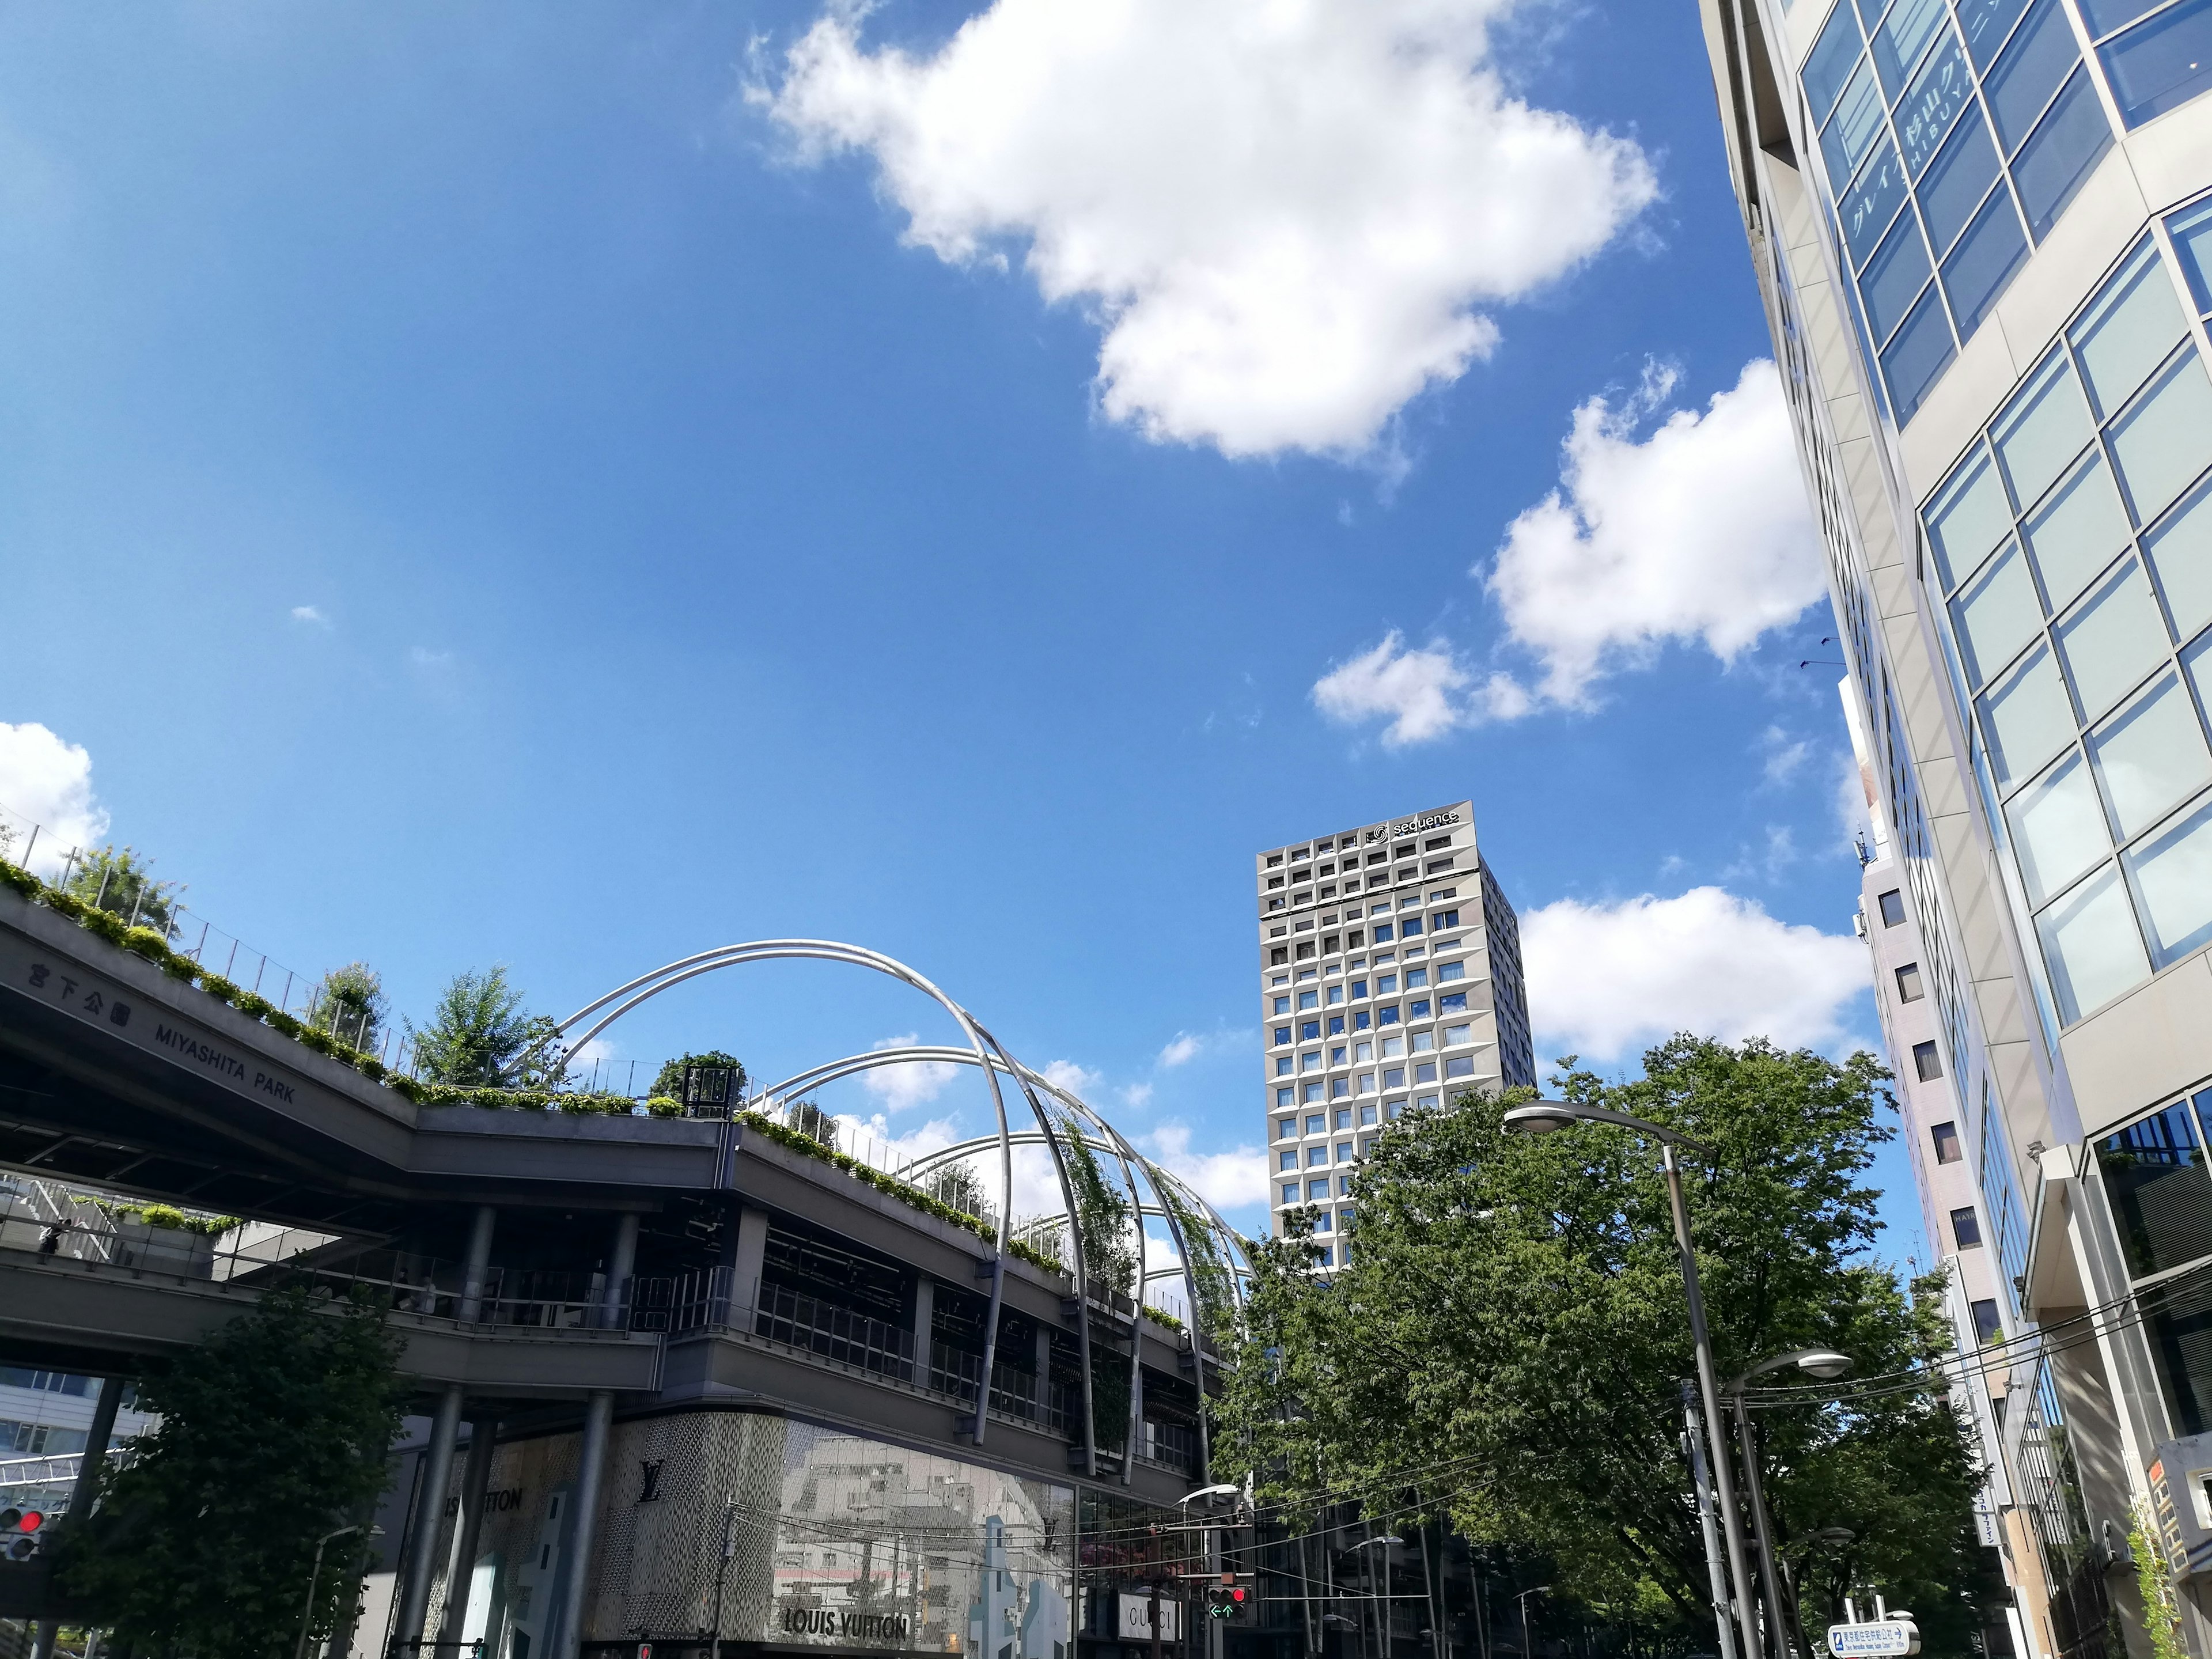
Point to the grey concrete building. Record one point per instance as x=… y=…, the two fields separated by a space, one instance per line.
x=1389 y=976
x=1983 y=240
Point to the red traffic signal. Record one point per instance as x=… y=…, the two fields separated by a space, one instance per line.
x=21 y=1527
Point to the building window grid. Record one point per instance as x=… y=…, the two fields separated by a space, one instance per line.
x=1944 y=280
x=1981 y=687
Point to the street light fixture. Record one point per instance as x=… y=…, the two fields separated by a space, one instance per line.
x=1822 y=1364
x=1527 y=1652
x=1542 y=1117
x=1220 y=1489
x=314 y=1572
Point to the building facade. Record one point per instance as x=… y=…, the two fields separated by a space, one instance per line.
x=1983 y=235
x=1389 y=976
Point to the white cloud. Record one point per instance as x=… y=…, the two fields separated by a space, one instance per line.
x=1416 y=690
x=422 y=656
x=1784 y=756
x=1231 y=1179
x=1608 y=979
x=1699 y=533
x=308 y=613
x=910 y=1082
x=1137 y=1095
x=1288 y=217
x=1181 y=1050
x=47 y=781
x=1077 y=1080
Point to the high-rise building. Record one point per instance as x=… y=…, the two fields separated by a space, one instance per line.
x=1389 y=976
x=1982 y=236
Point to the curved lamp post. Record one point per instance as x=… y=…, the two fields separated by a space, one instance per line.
x=1822 y=1365
x=1527 y=1651
x=308 y=1613
x=1545 y=1116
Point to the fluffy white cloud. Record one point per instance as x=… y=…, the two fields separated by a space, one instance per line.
x=1232 y=1180
x=1418 y=691
x=910 y=1082
x=1287 y=216
x=1699 y=531
x=47 y=781
x=1182 y=1050
x=1078 y=1080
x=309 y=614
x=1604 y=980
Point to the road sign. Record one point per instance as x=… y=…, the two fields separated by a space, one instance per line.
x=1877 y=1638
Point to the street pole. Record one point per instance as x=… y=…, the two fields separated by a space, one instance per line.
x=307 y=1611
x=1155 y=1613
x=1693 y=1438
x=722 y=1572
x=1776 y=1618
x=1709 y=1394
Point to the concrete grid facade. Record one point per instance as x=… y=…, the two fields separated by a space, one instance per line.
x=1389 y=976
x=1983 y=235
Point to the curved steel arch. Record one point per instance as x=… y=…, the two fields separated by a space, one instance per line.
x=987 y=1054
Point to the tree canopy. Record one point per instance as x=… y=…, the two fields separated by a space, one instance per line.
x=476 y=1032
x=273 y=1431
x=349 y=1003
x=120 y=881
x=1506 y=1343
x=669 y=1080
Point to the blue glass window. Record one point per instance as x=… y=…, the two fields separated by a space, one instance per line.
x=1418 y=1009
x=1955 y=185
x=1382 y=933
x=2038 y=58
x=2192 y=240
x=1407 y=928
x=1830 y=64
x=1359 y=1019
x=1309 y=1030
x=1986 y=23
x=2052 y=165
x=1927 y=113
x=1894 y=277
x=2162 y=64
x=1989 y=253
x=2103 y=17
x=1853 y=128
x=1898 y=43
x=1282 y=1035
x=1919 y=353
x=1336 y=1024
x=2154 y=1176
x=1387 y=1016
x=1872 y=203
x=1358 y=989
x=1444 y=919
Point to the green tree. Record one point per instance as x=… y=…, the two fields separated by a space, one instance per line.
x=120 y=881
x=1509 y=1336
x=1109 y=1250
x=349 y=1003
x=476 y=1032
x=273 y=1432
x=670 y=1079
x=811 y=1120
x=959 y=1186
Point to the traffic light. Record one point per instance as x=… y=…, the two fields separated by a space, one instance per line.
x=1224 y=1600
x=22 y=1529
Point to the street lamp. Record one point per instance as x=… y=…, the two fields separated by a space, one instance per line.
x=1823 y=1365
x=314 y=1572
x=1527 y=1652
x=1220 y=1489
x=1381 y=1605
x=1541 y=1117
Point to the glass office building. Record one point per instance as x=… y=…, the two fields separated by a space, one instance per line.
x=1982 y=236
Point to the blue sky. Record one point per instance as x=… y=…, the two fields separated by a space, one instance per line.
x=574 y=487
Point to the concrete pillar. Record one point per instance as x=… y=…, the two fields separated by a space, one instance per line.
x=622 y=1261
x=1044 y=1373
x=429 y=1520
x=475 y=1268
x=583 y=1520
x=745 y=1266
x=922 y=1320
x=460 y=1564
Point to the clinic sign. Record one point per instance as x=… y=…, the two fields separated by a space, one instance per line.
x=1877 y=1639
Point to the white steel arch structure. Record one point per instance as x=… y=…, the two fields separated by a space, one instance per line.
x=1190 y=1220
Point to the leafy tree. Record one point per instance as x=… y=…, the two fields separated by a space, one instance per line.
x=1509 y=1336
x=670 y=1079
x=961 y=1187
x=1110 y=1251
x=349 y=1003
x=121 y=882
x=810 y=1120
x=476 y=1031
x=273 y=1432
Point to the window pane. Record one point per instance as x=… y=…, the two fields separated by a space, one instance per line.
x=2057 y=830
x=2181 y=553
x=2038 y=58
x=1997 y=614
x=1894 y=277
x=1986 y=23
x=2192 y=240
x=2162 y=64
x=1872 y=203
x=2160 y=1195
x=2152 y=758
x=2114 y=641
x=2135 y=324
x=1900 y=41
x=1925 y=116
x=1968 y=519
x=1959 y=180
x=2090 y=945
x=1851 y=131
x=1918 y=354
x=2046 y=428
x=2078 y=531
x=2167 y=439
x=1987 y=257
x=2103 y=17
x=2052 y=165
x=2027 y=719
x=1829 y=64
x=2172 y=872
